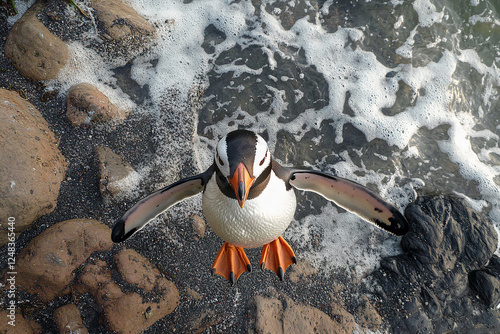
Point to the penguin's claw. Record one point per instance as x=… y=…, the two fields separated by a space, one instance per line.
x=277 y=256
x=231 y=262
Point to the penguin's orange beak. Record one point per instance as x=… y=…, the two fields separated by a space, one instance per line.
x=241 y=181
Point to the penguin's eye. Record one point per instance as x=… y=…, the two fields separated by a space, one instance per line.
x=262 y=161
x=220 y=160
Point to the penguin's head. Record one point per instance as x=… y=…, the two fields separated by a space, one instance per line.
x=242 y=156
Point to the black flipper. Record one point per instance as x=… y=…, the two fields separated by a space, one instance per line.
x=347 y=194
x=151 y=206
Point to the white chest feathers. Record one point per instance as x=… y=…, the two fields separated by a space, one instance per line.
x=260 y=221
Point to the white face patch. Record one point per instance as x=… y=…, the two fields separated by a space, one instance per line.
x=262 y=157
x=221 y=158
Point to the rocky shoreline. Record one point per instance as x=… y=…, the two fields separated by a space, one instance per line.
x=67 y=162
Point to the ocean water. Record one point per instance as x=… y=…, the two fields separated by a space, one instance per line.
x=401 y=96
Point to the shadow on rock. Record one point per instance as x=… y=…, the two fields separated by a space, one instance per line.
x=448 y=278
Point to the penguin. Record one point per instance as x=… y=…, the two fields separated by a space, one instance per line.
x=249 y=201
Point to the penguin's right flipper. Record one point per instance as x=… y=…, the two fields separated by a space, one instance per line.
x=351 y=196
x=151 y=206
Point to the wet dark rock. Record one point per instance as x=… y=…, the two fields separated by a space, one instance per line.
x=69 y=320
x=289 y=13
x=32 y=167
x=416 y=319
x=486 y=282
x=46 y=266
x=87 y=106
x=430 y=303
x=33 y=49
x=213 y=36
x=445 y=231
x=434 y=284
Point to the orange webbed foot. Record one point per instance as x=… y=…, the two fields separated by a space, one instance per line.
x=231 y=262
x=277 y=256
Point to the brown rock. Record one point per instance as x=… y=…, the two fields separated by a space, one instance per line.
x=87 y=106
x=22 y=325
x=68 y=320
x=368 y=315
x=33 y=49
x=120 y=25
x=137 y=270
x=198 y=226
x=303 y=271
x=271 y=316
x=46 y=265
x=194 y=294
x=130 y=312
x=32 y=167
x=97 y=278
x=343 y=318
x=117 y=176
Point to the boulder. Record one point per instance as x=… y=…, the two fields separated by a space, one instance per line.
x=136 y=270
x=274 y=316
x=118 y=178
x=32 y=166
x=486 y=282
x=445 y=231
x=17 y=324
x=87 y=106
x=368 y=315
x=125 y=32
x=46 y=266
x=69 y=320
x=130 y=312
x=268 y=315
x=448 y=260
x=33 y=49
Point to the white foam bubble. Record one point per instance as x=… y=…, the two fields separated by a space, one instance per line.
x=181 y=60
x=86 y=66
x=427 y=14
x=128 y=186
x=334 y=239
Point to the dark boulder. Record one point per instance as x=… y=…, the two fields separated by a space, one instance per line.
x=486 y=282
x=445 y=231
x=448 y=260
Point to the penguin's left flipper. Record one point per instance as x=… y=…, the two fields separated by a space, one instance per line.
x=353 y=197
x=151 y=206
